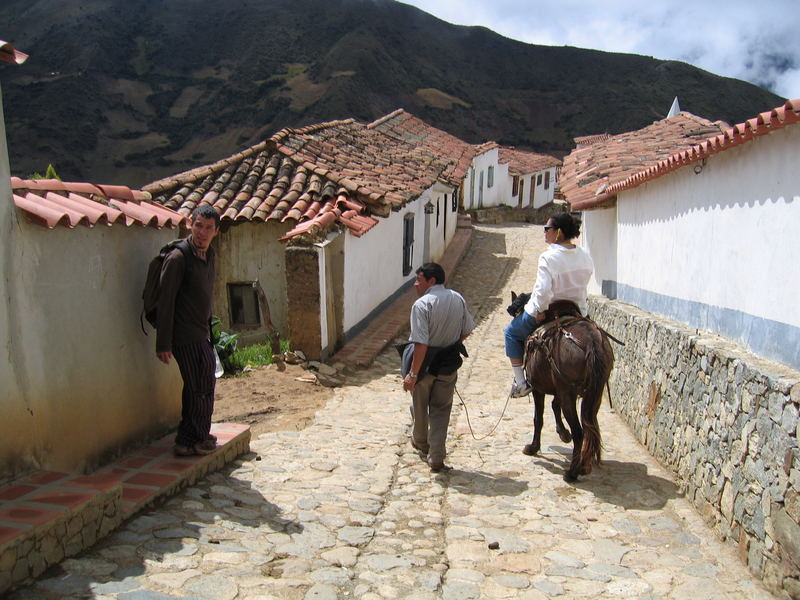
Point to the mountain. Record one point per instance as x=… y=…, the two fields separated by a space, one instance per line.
x=128 y=91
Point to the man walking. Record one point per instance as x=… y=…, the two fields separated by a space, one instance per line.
x=439 y=323
x=184 y=314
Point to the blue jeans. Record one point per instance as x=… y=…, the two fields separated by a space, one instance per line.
x=517 y=332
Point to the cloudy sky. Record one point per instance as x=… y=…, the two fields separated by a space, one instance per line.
x=754 y=40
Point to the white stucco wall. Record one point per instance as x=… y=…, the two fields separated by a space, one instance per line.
x=89 y=382
x=492 y=196
x=542 y=195
x=718 y=249
x=374 y=262
x=599 y=237
x=441 y=233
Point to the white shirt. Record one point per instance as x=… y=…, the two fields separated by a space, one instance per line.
x=563 y=274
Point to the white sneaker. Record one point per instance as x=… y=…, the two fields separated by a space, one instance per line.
x=520 y=390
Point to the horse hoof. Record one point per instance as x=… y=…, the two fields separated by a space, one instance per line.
x=569 y=477
x=529 y=450
x=565 y=436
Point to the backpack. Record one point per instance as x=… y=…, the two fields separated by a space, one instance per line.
x=152 y=282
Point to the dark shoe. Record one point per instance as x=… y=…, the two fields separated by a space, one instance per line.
x=206 y=447
x=179 y=450
x=520 y=390
x=423 y=452
x=439 y=467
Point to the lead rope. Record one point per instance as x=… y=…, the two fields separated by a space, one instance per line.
x=491 y=431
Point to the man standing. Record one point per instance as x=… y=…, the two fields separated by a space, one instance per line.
x=439 y=323
x=184 y=314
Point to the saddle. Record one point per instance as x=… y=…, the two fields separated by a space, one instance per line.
x=560 y=314
x=559 y=317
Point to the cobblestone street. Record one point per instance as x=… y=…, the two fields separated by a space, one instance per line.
x=346 y=509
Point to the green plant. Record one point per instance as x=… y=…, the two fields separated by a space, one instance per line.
x=257 y=355
x=226 y=345
x=50 y=173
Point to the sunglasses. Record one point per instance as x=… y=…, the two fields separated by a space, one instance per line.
x=549 y=227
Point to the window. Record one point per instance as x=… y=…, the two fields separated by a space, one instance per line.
x=547 y=180
x=408 y=243
x=438 y=202
x=539 y=179
x=243 y=302
x=515 y=185
x=455 y=201
x=490 y=177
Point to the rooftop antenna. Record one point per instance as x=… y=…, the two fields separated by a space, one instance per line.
x=674 y=109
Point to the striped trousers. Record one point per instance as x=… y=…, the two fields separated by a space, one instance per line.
x=197 y=365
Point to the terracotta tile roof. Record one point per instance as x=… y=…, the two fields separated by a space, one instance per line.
x=762 y=124
x=11 y=55
x=524 y=163
x=484 y=147
x=50 y=202
x=402 y=125
x=590 y=170
x=588 y=140
x=313 y=177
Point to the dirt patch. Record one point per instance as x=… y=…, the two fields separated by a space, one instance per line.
x=268 y=399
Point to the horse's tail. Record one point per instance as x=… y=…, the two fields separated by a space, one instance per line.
x=598 y=367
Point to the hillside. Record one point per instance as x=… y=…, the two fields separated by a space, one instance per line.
x=128 y=91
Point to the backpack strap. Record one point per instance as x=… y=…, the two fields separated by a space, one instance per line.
x=182 y=245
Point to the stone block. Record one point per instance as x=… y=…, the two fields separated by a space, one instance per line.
x=791 y=585
x=727 y=501
x=755 y=558
x=74 y=526
x=21 y=570
x=789 y=418
x=792 y=504
x=7 y=559
x=787 y=534
x=776 y=402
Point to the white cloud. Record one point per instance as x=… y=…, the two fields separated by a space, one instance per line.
x=754 y=41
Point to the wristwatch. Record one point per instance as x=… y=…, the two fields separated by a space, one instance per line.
x=412 y=374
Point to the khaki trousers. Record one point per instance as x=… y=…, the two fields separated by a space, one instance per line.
x=433 y=399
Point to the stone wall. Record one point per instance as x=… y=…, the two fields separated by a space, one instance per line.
x=725 y=422
x=509 y=214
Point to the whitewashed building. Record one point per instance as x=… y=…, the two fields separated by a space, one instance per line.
x=504 y=176
x=704 y=234
x=330 y=221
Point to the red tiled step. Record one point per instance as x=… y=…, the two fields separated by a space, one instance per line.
x=33 y=505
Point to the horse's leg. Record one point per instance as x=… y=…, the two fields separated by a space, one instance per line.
x=538 y=420
x=562 y=431
x=592 y=446
x=568 y=402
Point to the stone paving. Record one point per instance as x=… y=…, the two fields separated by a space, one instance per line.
x=346 y=509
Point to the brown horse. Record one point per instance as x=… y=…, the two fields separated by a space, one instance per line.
x=567 y=358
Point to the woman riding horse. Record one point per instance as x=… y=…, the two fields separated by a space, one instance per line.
x=569 y=358
x=563 y=274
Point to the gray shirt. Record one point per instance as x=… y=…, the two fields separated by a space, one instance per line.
x=440 y=317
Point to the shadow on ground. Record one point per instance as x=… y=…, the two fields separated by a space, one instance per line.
x=213 y=511
x=625 y=484
x=482 y=483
